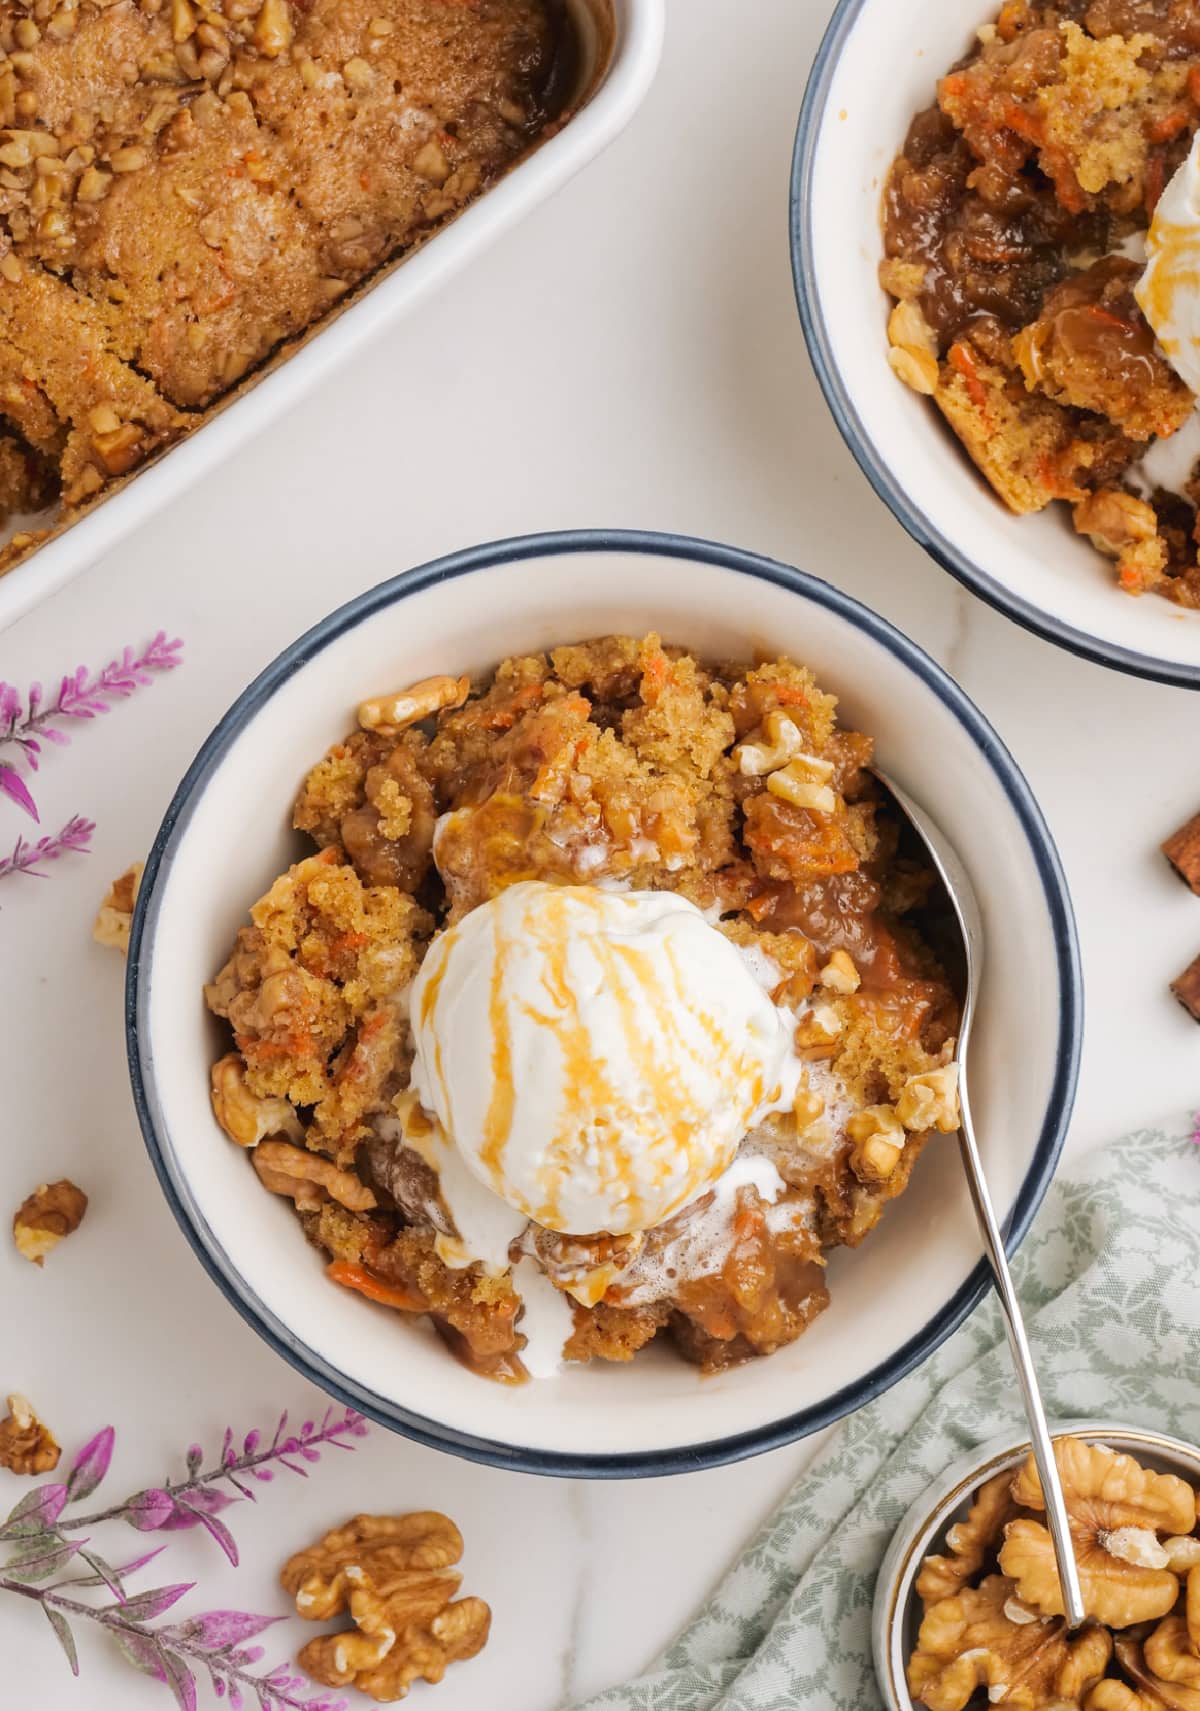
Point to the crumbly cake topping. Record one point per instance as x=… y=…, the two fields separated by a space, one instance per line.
x=183 y=186
x=1012 y=217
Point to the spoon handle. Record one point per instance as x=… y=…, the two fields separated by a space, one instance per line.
x=1035 y=1414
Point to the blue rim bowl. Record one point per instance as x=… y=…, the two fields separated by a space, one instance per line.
x=864 y=447
x=984 y=748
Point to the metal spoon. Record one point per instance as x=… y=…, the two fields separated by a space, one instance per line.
x=970 y=922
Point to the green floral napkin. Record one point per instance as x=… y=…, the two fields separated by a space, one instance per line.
x=1111 y=1289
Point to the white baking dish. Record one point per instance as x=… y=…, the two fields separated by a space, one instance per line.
x=622 y=40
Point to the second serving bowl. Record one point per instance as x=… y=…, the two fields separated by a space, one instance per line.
x=895 y=1616
x=227 y=834
x=878 y=66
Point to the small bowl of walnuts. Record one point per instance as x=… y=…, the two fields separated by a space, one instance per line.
x=968 y=1610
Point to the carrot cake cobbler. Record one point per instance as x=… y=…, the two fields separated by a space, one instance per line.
x=601 y=1011
x=186 y=184
x=1042 y=239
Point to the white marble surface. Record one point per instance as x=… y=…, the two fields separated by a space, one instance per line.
x=630 y=356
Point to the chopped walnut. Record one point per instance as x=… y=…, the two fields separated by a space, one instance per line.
x=246 y=1117
x=1116 y=1510
x=817 y=1032
x=969 y=1642
x=778 y=741
x=26 y=1445
x=1125 y=528
x=913 y=348
x=804 y=782
x=50 y=1213
x=309 y=1179
x=395 y=1577
x=878 y=1137
x=930 y=1100
x=840 y=974
x=115 y=918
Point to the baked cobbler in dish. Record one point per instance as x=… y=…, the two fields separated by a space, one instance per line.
x=1042 y=240
x=602 y=1011
x=185 y=185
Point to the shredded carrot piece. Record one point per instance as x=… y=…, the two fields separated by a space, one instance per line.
x=504 y=718
x=1156 y=179
x=1170 y=125
x=788 y=694
x=1053 y=479
x=1099 y=313
x=1028 y=126
x=963 y=363
x=388 y=1295
x=347 y=942
x=299 y=1043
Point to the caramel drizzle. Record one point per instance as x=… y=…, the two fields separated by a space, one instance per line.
x=591 y=1097
x=1174 y=271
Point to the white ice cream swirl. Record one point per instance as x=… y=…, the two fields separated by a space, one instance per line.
x=1169 y=290
x=595 y=1057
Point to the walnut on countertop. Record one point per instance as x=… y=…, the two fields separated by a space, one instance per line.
x=394 y=1576
x=115 y=918
x=26 y=1445
x=51 y=1212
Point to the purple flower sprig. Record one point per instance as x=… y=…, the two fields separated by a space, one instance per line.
x=35 y=1533
x=29 y=721
x=74 y=838
x=198 y=1500
x=175 y=1652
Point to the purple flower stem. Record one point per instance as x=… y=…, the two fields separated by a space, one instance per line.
x=26 y=721
x=177 y=1645
x=280 y=1449
x=74 y=838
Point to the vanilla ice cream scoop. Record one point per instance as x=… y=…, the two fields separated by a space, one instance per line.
x=595 y=1056
x=1169 y=290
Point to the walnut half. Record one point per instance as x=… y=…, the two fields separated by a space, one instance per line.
x=51 y=1212
x=1116 y=1509
x=26 y=1445
x=971 y=1641
x=309 y=1179
x=394 y=1574
x=246 y=1117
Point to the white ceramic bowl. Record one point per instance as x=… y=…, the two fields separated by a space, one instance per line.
x=878 y=65
x=895 y=1615
x=227 y=834
x=622 y=43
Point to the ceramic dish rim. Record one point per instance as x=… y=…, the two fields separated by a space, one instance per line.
x=862 y=446
x=433 y=1433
